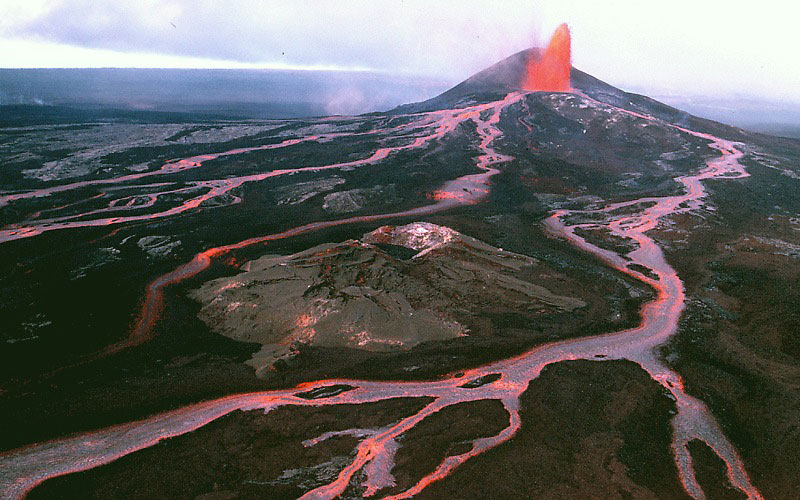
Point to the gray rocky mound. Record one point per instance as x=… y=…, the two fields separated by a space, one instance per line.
x=364 y=294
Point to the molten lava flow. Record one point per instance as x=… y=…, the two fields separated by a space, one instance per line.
x=504 y=381
x=464 y=190
x=549 y=71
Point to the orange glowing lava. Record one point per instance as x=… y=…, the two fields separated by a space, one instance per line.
x=373 y=459
x=549 y=71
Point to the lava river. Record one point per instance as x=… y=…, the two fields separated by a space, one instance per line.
x=505 y=381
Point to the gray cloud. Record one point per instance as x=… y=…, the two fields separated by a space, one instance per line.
x=681 y=46
x=419 y=37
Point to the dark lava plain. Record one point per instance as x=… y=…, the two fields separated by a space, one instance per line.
x=63 y=288
x=589 y=428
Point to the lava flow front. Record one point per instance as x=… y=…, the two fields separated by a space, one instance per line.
x=549 y=71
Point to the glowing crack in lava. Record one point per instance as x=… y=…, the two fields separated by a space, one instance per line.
x=549 y=70
x=505 y=381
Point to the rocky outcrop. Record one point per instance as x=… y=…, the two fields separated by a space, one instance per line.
x=353 y=200
x=158 y=246
x=363 y=294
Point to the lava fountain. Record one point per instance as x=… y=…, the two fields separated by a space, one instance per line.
x=548 y=71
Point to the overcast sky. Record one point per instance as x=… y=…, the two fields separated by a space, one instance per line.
x=686 y=47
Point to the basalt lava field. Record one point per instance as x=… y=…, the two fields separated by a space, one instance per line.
x=534 y=285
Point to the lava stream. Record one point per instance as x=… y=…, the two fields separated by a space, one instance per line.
x=167 y=168
x=24 y=468
x=462 y=191
x=213 y=188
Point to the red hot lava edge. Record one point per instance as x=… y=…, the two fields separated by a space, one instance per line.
x=23 y=469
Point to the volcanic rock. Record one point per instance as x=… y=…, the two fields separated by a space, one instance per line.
x=356 y=294
x=158 y=246
x=353 y=200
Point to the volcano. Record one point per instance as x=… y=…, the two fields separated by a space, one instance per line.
x=532 y=285
x=551 y=66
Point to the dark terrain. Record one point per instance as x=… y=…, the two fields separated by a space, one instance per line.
x=589 y=429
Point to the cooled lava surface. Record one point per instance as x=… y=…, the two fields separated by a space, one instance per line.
x=562 y=304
